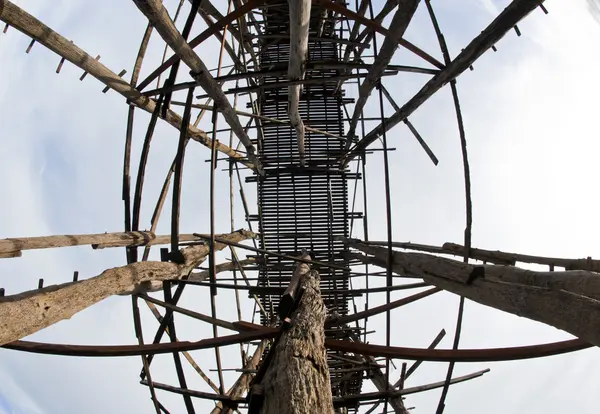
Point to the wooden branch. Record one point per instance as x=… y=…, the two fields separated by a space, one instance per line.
x=29 y=312
x=400 y=22
x=568 y=300
x=299 y=11
x=379 y=380
x=157 y=285
x=32 y=27
x=498 y=257
x=159 y=17
x=505 y=21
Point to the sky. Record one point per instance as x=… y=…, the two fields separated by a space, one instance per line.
x=530 y=112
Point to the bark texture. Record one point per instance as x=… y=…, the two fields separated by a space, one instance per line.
x=29 y=312
x=32 y=27
x=299 y=26
x=297 y=379
x=568 y=300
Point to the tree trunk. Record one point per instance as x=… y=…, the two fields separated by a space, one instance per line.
x=297 y=378
x=29 y=312
x=299 y=26
x=567 y=300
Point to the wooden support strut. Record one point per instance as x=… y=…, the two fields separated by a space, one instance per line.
x=400 y=22
x=12 y=247
x=32 y=27
x=158 y=15
x=29 y=312
x=568 y=300
x=505 y=21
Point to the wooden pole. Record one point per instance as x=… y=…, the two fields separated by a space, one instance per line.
x=159 y=17
x=400 y=22
x=13 y=246
x=568 y=300
x=32 y=27
x=505 y=21
x=28 y=312
x=299 y=11
x=240 y=387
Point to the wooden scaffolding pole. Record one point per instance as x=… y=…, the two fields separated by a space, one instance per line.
x=399 y=24
x=32 y=27
x=29 y=312
x=505 y=21
x=159 y=17
x=568 y=300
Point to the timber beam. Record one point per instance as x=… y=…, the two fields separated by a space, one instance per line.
x=299 y=12
x=28 y=312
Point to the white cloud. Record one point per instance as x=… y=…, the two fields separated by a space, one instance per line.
x=530 y=114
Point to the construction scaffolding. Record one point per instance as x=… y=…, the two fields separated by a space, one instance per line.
x=302 y=156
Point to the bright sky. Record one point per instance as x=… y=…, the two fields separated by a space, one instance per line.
x=530 y=112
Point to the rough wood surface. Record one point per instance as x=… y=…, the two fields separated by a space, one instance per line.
x=159 y=17
x=400 y=21
x=297 y=379
x=568 y=300
x=299 y=11
x=495 y=256
x=28 y=312
x=97 y=241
